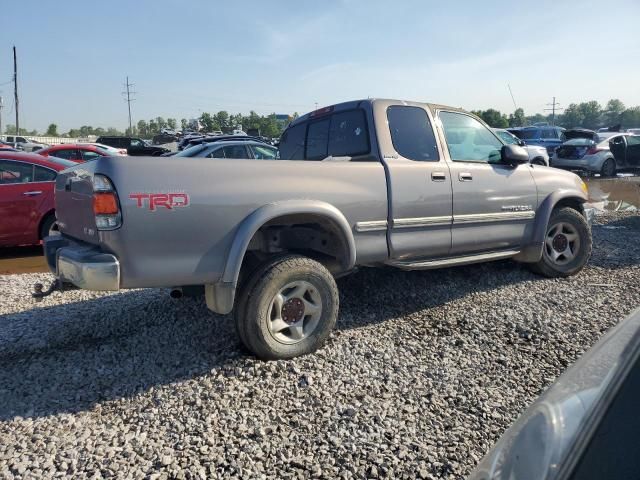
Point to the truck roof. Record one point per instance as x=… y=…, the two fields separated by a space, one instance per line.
x=357 y=103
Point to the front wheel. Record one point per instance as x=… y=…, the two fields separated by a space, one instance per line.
x=287 y=308
x=608 y=168
x=567 y=244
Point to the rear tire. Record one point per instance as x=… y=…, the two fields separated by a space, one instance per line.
x=287 y=308
x=567 y=244
x=608 y=168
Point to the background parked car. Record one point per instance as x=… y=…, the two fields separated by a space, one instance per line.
x=546 y=136
x=22 y=143
x=218 y=138
x=27 y=182
x=135 y=146
x=232 y=149
x=77 y=152
x=605 y=155
x=537 y=155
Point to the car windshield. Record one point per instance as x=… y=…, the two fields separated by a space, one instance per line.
x=192 y=151
x=62 y=162
x=506 y=137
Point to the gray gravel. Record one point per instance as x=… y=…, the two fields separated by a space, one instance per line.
x=425 y=371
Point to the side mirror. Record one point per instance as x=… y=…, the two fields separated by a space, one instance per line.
x=522 y=143
x=513 y=155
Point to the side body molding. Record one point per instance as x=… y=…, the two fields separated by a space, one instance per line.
x=220 y=296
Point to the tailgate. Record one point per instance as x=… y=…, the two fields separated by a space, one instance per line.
x=74 y=202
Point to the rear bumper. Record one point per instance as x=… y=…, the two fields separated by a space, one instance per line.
x=82 y=265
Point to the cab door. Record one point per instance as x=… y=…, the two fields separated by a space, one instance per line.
x=419 y=189
x=494 y=204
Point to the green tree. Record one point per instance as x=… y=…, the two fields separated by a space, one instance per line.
x=493 y=118
x=573 y=116
x=517 y=118
x=153 y=127
x=591 y=112
x=143 y=128
x=162 y=123
x=613 y=112
x=172 y=123
x=183 y=123
x=222 y=119
x=52 y=130
x=630 y=118
x=209 y=122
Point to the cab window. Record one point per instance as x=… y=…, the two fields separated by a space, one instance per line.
x=264 y=153
x=469 y=140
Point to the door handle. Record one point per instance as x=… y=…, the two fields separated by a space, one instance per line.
x=32 y=193
x=438 y=176
x=465 y=177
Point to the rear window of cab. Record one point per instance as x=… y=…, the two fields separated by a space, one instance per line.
x=341 y=134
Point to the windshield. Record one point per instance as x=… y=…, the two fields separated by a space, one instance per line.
x=192 y=151
x=506 y=137
x=529 y=134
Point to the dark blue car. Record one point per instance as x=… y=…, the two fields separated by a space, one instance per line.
x=546 y=136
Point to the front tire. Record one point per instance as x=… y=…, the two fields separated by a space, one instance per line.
x=608 y=168
x=287 y=308
x=567 y=244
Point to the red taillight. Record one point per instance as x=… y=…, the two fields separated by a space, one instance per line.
x=593 y=150
x=320 y=112
x=105 y=203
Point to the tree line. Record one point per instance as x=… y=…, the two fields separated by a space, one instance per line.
x=590 y=115
x=586 y=114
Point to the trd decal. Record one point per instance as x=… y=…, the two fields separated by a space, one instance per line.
x=153 y=201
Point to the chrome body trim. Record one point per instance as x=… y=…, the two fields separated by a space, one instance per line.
x=372 y=226
x=450 y=262
x=493 y=217
x=422 y=222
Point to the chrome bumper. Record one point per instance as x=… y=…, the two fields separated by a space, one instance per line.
x=84 y=266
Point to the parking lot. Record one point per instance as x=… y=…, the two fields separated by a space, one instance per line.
x=423 y=373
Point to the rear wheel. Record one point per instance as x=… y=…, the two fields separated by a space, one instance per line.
x=287 y=308
x=608 y=168
x=567 y=244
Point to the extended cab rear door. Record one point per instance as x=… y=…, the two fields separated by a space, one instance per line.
x=494 y=204
x=420 y=194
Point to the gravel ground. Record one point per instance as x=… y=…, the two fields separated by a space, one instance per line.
x=424 y=372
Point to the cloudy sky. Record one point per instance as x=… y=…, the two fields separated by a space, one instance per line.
x=284 y=56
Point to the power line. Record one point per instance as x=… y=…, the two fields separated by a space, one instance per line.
x=129 y=93
x=554 y=106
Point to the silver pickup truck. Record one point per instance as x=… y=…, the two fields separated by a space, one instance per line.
x=362 y=183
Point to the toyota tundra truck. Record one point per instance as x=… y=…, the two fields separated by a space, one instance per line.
x=363 y=183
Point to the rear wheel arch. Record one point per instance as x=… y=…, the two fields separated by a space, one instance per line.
x=295 y=214
x=45 y=218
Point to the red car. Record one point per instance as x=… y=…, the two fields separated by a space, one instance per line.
x=76 y=152
x=27 y=182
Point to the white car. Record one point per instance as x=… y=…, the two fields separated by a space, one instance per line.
x=605 y=155
x=23 y=143
x=118 y=152
x=537 y=155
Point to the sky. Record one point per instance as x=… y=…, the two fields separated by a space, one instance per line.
x=189 y=57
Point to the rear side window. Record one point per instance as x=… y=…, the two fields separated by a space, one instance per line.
x=412 y=133
x=44 y=174
x=15 y=172
x=317 y=140
x=348 y=134
x=549 y=133
x=342 y=134
x=292 y=142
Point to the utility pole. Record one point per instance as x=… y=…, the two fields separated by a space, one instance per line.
x=15 y=89
x=128 y=93
x=554 y=106
x=1 y=107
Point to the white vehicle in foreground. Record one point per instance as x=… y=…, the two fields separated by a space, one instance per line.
x=537 y=155
x=605 y=155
